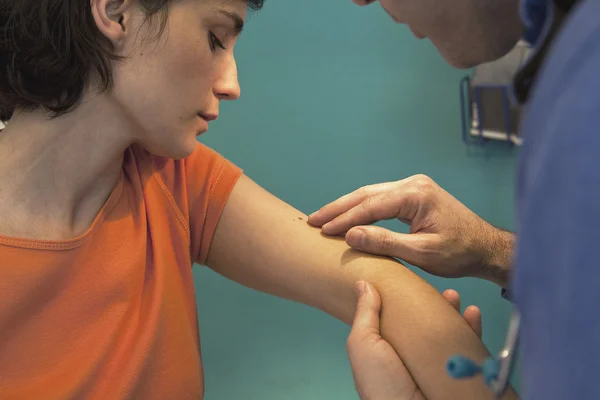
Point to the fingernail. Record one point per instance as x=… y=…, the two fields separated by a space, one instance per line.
x=359 y=288
x=356 y=238
x=326 y=228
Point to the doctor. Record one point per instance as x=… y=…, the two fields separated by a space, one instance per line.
x=556 y=280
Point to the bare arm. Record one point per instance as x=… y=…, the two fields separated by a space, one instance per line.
x=265 y=244
x=497 y=264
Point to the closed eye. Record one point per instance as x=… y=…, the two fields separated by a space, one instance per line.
x=215 y=42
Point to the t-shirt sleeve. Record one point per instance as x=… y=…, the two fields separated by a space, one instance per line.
x=210 y=178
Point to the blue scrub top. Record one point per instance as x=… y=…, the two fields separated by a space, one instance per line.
x=556 y=284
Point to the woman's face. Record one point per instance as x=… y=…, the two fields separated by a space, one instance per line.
x=170 y=87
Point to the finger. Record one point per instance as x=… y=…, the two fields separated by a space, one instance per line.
x=473 y=317
x=335 y=208
x=386 y=205
x=380 y=241
x=366 y=318
x=347 y=202
x=453 y=298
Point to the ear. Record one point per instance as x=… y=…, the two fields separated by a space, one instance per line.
x=113 y=18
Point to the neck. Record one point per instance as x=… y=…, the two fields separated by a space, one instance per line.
x=62 y=170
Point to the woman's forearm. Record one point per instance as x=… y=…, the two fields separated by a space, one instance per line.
x=422 y=327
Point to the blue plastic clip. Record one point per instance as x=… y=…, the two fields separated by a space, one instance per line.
x=460 y=367
x=496 y=372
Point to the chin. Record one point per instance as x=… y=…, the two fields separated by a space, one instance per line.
x=173 y=150
x=463 y=54
x=461 y=63
x=182 y=151
x=470 y=58
x=179 y=155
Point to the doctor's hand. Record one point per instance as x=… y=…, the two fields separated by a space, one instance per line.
x=378 y=371
x=446 y=238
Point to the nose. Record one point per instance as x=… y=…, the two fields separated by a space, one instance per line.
x=227 y=86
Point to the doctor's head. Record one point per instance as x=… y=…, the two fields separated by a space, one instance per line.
x=465 y=32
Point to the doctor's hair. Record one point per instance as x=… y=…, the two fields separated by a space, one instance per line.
x=50 y=50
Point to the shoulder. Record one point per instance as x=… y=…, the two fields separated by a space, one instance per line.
x=204 y=164
x=574 y=56
x=555 y=280
x=194 y=184
x=564 y=110
x=197 y=187
x=559 y=171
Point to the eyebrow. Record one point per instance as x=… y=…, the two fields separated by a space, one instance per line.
x=237 y=20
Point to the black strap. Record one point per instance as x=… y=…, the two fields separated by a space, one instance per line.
x=565 y=5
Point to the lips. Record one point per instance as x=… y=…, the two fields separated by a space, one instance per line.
x=208 y=116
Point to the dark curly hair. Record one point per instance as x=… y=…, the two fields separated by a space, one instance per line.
x=49 y=49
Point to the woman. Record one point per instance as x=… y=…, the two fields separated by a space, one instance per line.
x=107 y=200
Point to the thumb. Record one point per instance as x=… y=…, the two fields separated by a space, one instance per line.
x=366 y=318
x=380 y=241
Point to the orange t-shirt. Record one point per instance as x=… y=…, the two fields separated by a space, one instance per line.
x=112 y=314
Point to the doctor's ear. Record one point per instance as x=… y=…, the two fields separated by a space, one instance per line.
x=113 y=18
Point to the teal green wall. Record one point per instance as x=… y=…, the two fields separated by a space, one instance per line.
x=335 y=97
